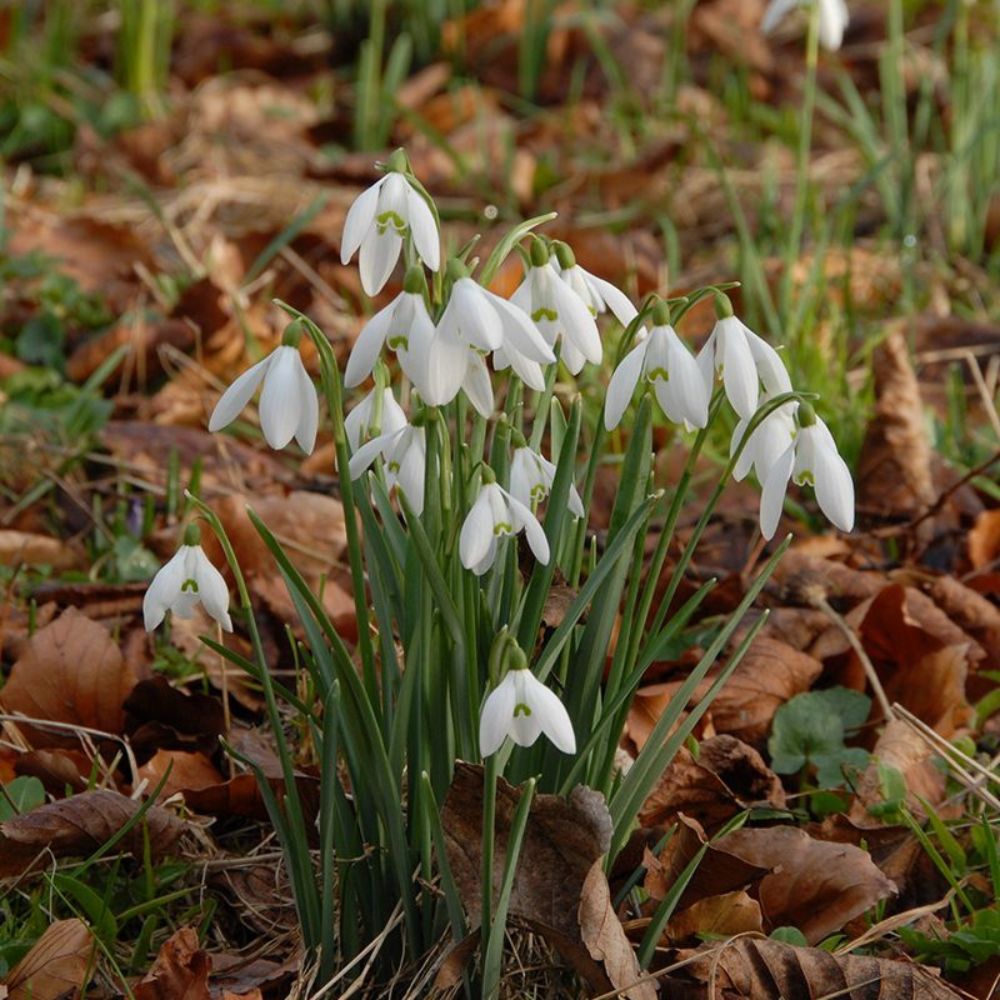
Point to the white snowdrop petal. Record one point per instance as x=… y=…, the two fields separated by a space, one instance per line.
x=552 y=715
x=688 y=385
x=530 y=372
x=477 y=530
x=212 y=589
x=423 y=229
x=521 y=333
x=360 y=219
x=773 y=494
x=162 y=590
x=579 y=326
x=232 y=401
x=835 y=490
x=739 y=373
x=833 y=18
x=305 y=432
x=367 y=347
x=497 y=716
x=379 y=253
x=574 y=502
x=411 y=456
x=279 y=399
x=478 y=386
x=621 y=388
x=533 y=531
x=368 y=452
x=770 y=368
x=616 y=300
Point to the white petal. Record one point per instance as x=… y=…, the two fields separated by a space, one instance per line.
x=446 y=367
x=411 y=456
x=578 y=326
x=212 y=589
x=523 y=475
x=497 y=716
x=617 y=301
x=835 y=489
x=232 y=401
x=739 y=373
x=572 y=358
x=574 y=502
x=368 y=452
x=745 y=462
x=552 y=715
x=280 y=399
x=530 y=372
x=356 y=422
x=366 y=348
x=526 y=725
x=686 y=384
x=833 y=18
x=487 y=561
x=477 y=531
x=477 y=385
x=776 y=10
x=621 y=388
x=360 y=219
x=163 y=589
x=533 y=531
x=773 y=494
x=468 y=312
x=379 y=253
x=705 y=359
x=770 y=368
x=520 y=332
x=305 y=432
x=423 y=229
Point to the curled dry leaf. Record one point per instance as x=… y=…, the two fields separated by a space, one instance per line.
x=56 y=966
x=183 y=771
x=79 y=825
x=976 y=615
x=894 y=471
x=71 y=671
x=814 y=885
x=900 y=747
x=559 y=885
x=721 y=916
x=760 y=969
x=27 y=548
x=180 y=971
x=727 y=776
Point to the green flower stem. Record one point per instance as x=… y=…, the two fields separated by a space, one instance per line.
x=542 y=401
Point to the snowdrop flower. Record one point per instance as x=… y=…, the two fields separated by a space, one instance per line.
x=405 y=454
x=408 y=328
x=379 y=219
x=187 y=578
x=727 y=353
x=289 y=406
x=523 y=708
x=558 y=311
x=360 y=423
x=811 y=458
x=475 y=317
x=494 y=514
x=833 y=18
x=768 y=442
x=531 y=478
x=662 y=359
x=598 y=294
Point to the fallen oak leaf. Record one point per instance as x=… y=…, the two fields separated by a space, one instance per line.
x=57 y=964
x=72 y=672
x=80 y=825
x=180 y=972
x=814 y=885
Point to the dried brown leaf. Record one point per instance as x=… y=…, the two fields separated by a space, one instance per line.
x=761 y=969
x=57 y=964
x=70 y=671
x=31 y=549
x=721 y=916
x=183 y=771
x=984 y=539
x=814 y=885
x=180 y=972
x=79 y=825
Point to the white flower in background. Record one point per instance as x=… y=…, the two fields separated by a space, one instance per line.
x=663 y=360
x=187 y=578
x=531 y=478
x=379 y=219
x=405 y=454
x=558 y=311
x=833 y=18
x=289 y=406
x=407 y=327
x=811 y=458
x=768 y=442
x=360 y=423
x=494 y=514
x=599 y=295
x=523 y=708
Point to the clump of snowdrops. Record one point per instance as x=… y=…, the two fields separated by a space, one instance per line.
x=460 y=448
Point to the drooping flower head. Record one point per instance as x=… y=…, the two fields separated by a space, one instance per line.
x=661 y=358
x=405 y=454
x=494 y=514
x=811 y=459
x=523 y=708
x=599 y=295
x=289 y=406
x=380 y=218
x=558 y=311
x=186 y=579
x=833 y=19
x=378 y=413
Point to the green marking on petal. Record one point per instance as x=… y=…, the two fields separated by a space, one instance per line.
x=503 y=528
x=538 y=491
x=521 y=709
x=805 y=478
x=394 y=466
x=395 y=343
x=383 y=221
x=543 y=313
x=191 y=585
x=656 y=373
